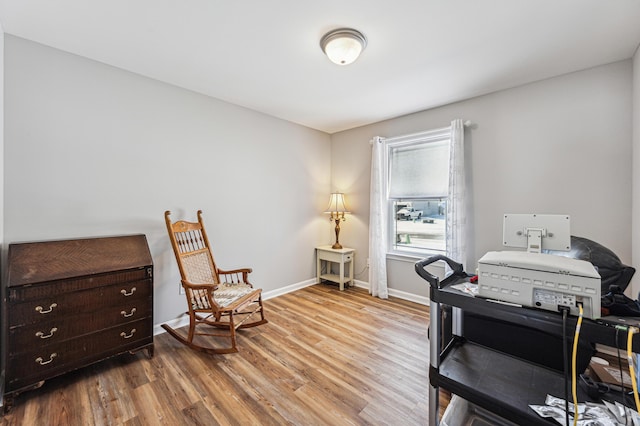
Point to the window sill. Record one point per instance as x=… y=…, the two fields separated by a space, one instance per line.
x=410 y=257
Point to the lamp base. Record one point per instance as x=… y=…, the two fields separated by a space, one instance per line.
x=337 y=245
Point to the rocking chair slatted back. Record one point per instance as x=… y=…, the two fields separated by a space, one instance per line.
x=193 y=253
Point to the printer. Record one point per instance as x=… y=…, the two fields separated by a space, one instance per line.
x=540 y=280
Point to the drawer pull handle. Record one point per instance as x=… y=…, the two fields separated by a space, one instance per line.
x=127 y=315
x=123 y=291
x=41 y=361
x=128 y=336
x=42 y=311
x=41 y=335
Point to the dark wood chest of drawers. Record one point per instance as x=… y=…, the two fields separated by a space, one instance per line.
x=72 y=303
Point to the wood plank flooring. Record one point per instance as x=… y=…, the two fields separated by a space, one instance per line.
x=325 y=358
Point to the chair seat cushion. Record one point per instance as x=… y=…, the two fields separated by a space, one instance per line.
x=226 y=294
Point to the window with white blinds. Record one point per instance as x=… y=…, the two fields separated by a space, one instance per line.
x=417 y=190
x=419 y=170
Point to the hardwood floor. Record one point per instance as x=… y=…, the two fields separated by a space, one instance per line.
x=325 y=358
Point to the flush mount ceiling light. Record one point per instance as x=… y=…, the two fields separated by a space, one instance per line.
x=343 y=46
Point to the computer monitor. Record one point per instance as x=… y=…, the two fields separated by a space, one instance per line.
x=537 y=232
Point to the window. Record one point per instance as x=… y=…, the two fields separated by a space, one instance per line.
x=418 y=185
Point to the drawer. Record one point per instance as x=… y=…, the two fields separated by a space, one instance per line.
x=67 y=305
x=54 y=288
x=335 y=257
x=51 y=360
x=22 y=339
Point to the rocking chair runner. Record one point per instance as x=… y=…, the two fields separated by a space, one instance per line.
x=219 y=301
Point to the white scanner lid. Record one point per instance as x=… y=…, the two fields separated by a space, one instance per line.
x=541 y=262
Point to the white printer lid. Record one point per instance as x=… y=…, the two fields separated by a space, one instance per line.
x=541 y=262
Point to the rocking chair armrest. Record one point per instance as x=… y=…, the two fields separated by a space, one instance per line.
x=234 y=271
x=199 y=286
x=236 y=275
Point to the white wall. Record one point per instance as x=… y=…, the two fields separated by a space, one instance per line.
x=561 y=145
x=2 y=260
x=1 y=144
x=91 y=150
x=635 y=283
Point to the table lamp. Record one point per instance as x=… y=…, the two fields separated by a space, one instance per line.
x=337 y=208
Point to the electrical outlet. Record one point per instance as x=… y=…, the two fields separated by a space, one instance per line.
x=181 y=289
x=367 y=262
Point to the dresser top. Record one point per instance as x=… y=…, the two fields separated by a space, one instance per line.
x=36 y=262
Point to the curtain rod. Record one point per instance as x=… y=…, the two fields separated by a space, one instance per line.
x=467 y=123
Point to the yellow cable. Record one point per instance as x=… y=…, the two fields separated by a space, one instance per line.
x=574 y=386
x=634 y=384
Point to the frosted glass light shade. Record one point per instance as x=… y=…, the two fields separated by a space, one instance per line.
x=343 y=46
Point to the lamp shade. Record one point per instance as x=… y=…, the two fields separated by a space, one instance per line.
x=343 y=46
x=337 y=204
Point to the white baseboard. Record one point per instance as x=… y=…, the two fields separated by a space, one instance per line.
x=423 y=300
x=183 y=320
x=399 y=294
x=288 y=289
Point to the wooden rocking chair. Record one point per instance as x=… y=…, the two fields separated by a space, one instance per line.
x=219 y=301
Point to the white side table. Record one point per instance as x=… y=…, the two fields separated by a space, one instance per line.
x=341 y=256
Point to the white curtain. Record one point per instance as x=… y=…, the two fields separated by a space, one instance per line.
x=456 y=208
x=378 y=223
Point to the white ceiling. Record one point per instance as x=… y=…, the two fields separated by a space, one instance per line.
x=265 y=54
